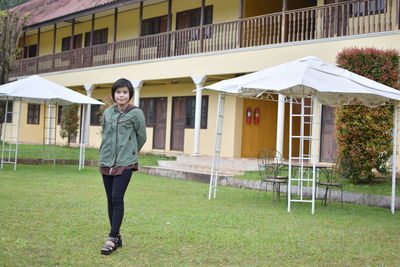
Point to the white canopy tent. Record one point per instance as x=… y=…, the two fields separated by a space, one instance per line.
x=308 y=76
x=37 y=90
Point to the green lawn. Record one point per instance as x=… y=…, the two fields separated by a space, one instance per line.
x=56 y=216
x=63 y=152
x=26 y=151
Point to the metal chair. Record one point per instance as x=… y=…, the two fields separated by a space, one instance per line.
x=331 y=178
x=270 y=166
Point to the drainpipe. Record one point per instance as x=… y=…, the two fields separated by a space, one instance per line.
x=199 y=80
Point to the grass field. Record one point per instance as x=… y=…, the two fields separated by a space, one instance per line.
x=56 y=216
x=26 y=151
x=384 y=187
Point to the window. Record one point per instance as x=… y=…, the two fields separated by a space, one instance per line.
x=100 y=37
x=191 y=112
x=147 y=106
x=59 y=114
x=33 y=113
x=191 y=18
x=154 y=25
x=30 y=51
x=95 y=115
x=66 y=42
x=3 y=110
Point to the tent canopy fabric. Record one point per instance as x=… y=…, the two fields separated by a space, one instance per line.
x=333 y=86
x=38 y=90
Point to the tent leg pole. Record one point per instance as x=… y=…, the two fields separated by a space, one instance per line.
x=394 y=158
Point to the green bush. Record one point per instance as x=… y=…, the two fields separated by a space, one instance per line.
x=364 y=134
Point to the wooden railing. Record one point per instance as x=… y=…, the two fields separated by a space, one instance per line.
x=343 y=19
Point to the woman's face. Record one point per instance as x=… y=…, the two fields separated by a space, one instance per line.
x=121 y=95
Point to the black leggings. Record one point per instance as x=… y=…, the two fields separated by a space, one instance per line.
x=115 y=189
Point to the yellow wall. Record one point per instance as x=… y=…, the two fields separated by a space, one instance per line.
x=128 y=21
x=30 y=133
x=257 y=8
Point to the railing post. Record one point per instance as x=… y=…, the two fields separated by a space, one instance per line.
x=37 y=65
x=139 y=48
x=397 y=14
x=283 y=27
x=37 y=52
x=115 y=33
x=52 y=62
x=336 y=20
x=21 y=67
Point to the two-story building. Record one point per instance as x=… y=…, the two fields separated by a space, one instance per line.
x=171 y=48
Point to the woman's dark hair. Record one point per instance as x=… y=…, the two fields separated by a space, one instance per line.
x=122 y=83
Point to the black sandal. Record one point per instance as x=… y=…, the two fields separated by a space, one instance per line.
x=111 y=245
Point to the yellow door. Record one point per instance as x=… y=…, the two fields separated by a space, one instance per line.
x=262 y=135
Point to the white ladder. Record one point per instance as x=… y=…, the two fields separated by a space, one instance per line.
x=306 y=158
x=49 y=133
x=10 y=134
x=217 y=147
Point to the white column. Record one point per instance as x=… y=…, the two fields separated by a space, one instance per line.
x=199 y=80
x=137 y=84
x=85 y=127
x=280 y=125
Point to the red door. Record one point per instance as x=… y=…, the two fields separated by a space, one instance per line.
x=160 y=119
x=178 y=123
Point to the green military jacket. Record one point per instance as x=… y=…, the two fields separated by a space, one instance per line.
x=124 y=134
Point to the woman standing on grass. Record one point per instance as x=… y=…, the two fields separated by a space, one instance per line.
x=124 y=134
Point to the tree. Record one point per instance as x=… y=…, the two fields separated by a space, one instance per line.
x=7 y=4
x=363 y=133
x=69 y=122
x=11 y=24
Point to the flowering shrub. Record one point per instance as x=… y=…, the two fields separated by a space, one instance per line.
x=364 y=134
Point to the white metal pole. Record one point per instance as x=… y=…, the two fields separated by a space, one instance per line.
x=17 y=137
x=82 y=136
x=301 y=152
x=49 y=122
x=290 y=154
x=3 y=136
x=280 y=125
x=315 y=133
x=394 y=159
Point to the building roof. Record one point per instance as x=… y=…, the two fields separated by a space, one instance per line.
x=47 y=10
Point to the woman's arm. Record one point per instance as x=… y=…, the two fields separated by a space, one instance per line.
x=140 y=128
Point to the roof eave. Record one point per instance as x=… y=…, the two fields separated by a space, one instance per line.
x=81 y=13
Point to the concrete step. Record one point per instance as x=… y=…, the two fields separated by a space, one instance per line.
x=241 y=164
x=198 y=176
x=191 y=166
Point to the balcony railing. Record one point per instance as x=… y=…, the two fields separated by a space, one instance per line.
x=343 y=19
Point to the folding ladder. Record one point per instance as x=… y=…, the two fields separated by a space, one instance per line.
x=304 y=175
x=10 y=134
x=49 y=133
x=217 y=147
